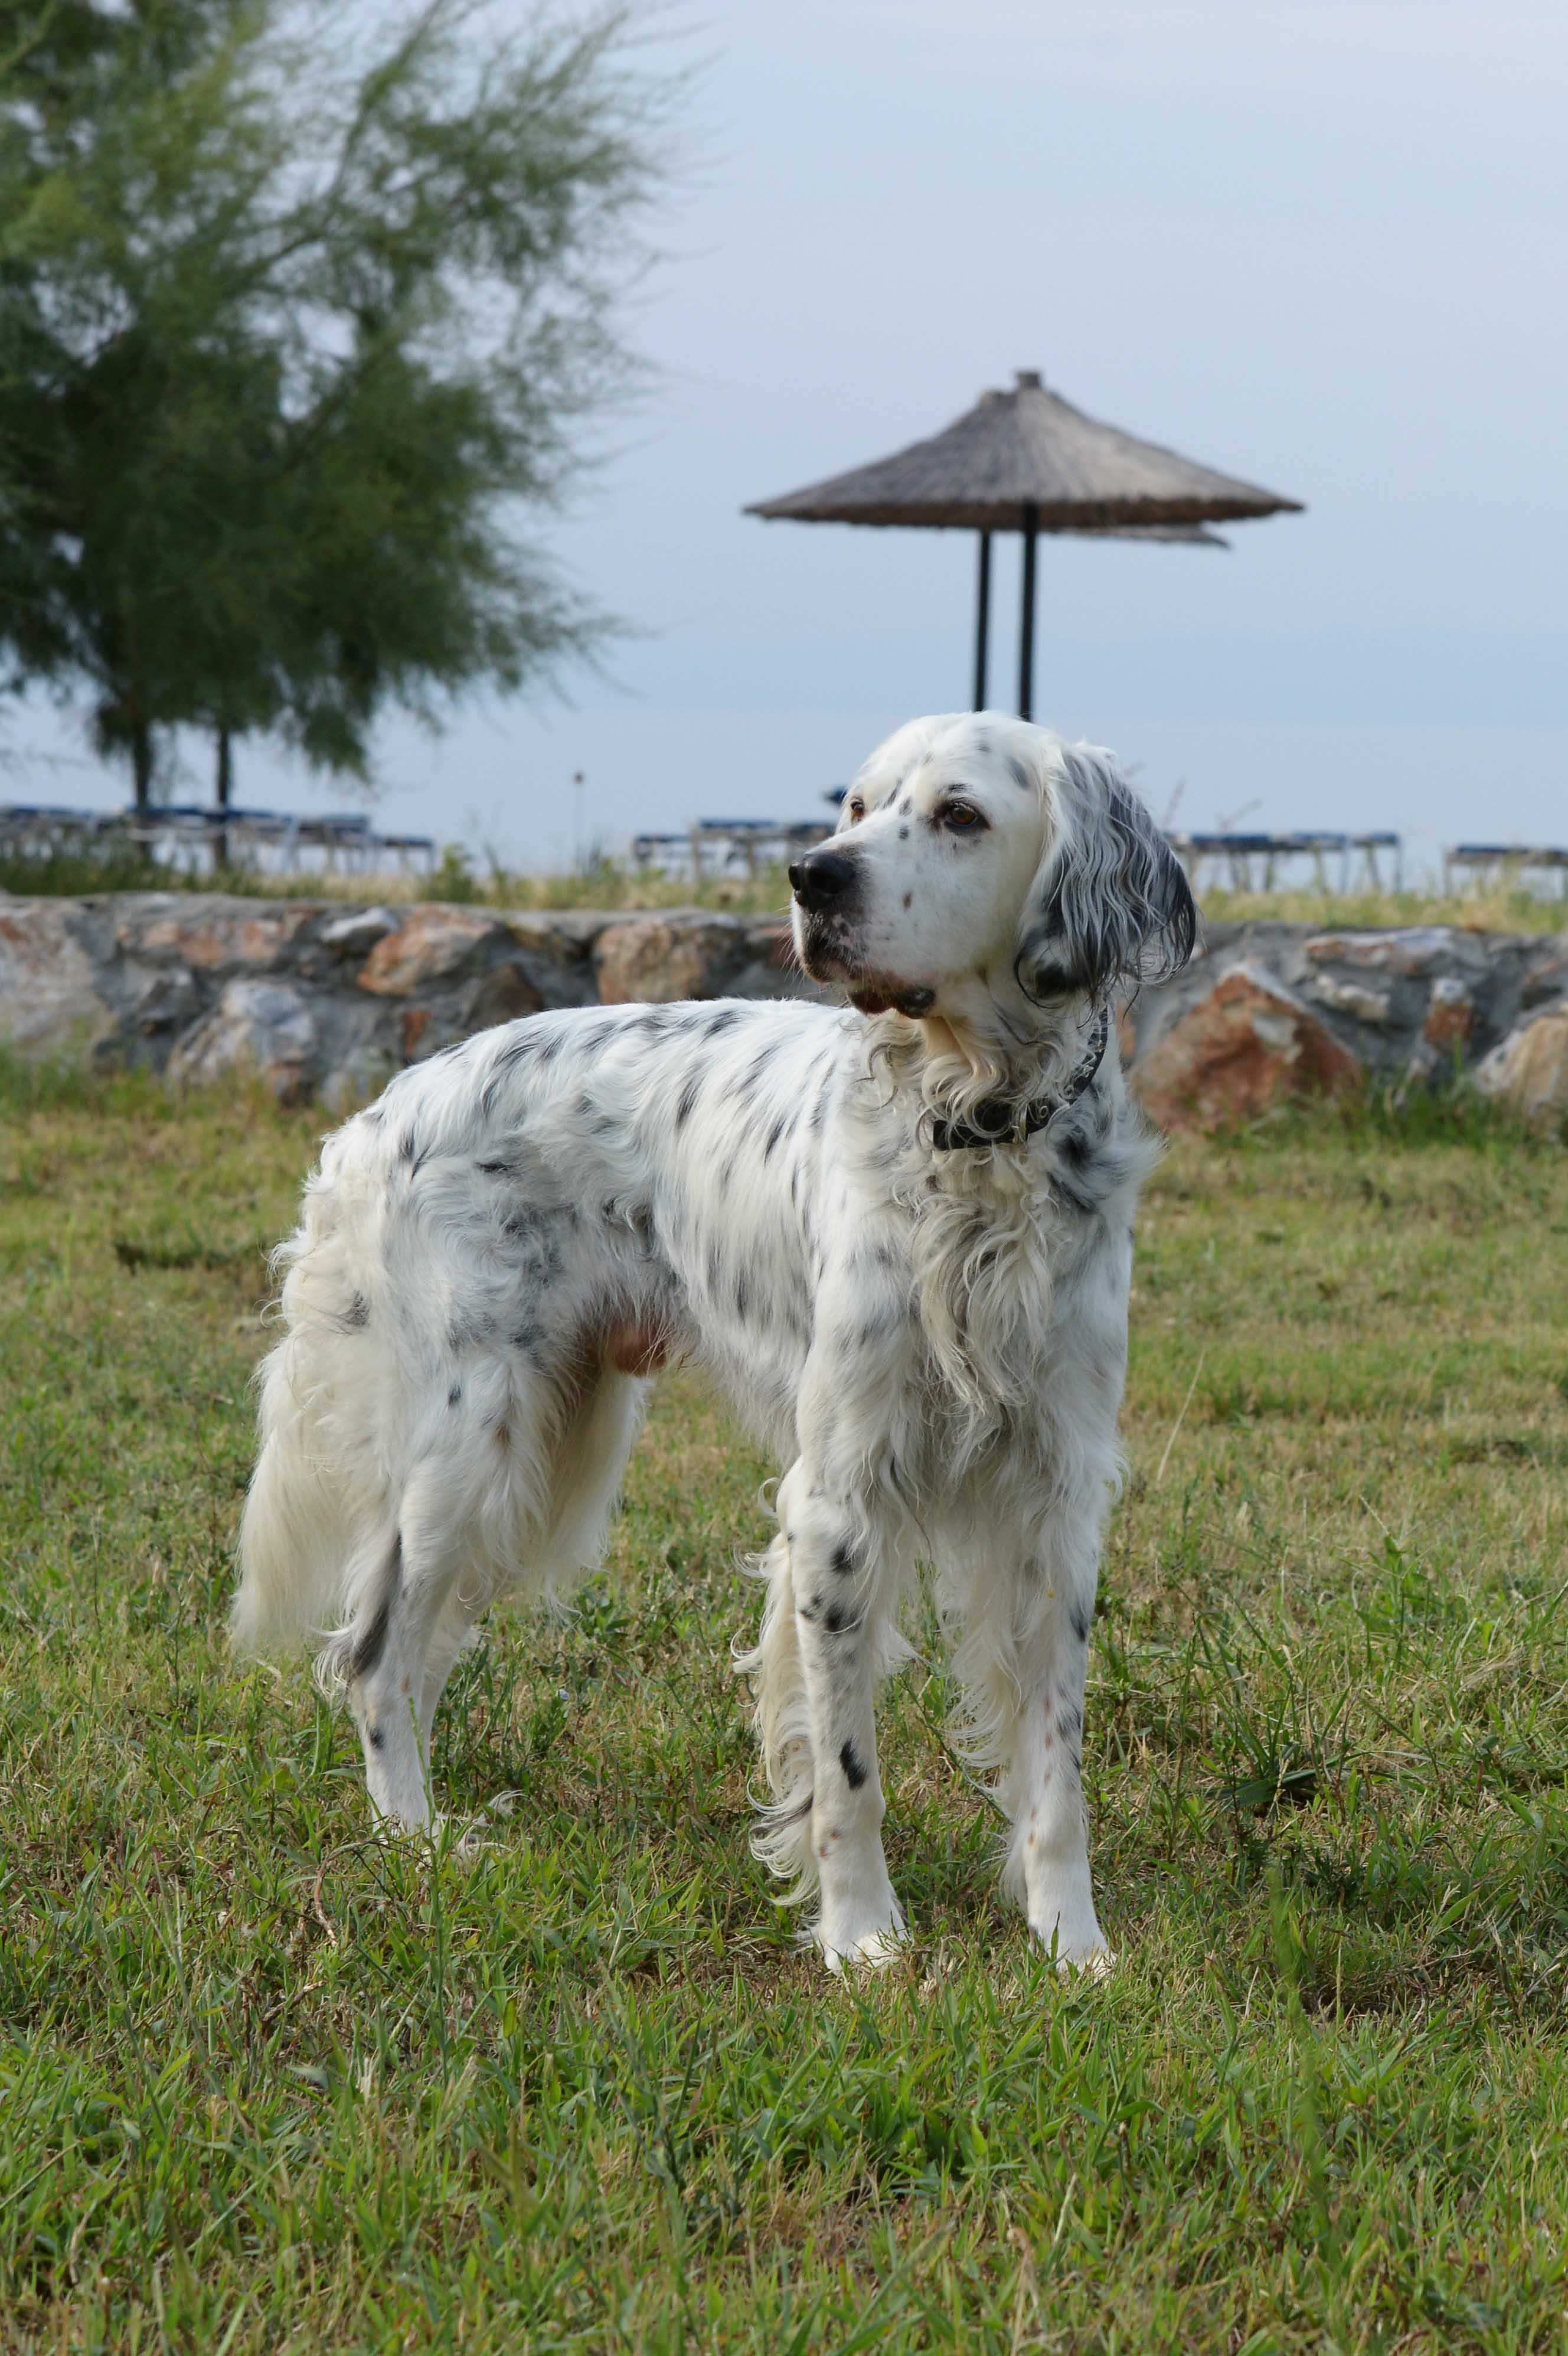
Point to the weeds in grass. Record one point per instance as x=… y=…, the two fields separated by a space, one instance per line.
x=1443 y=1110
x=72 y=874
x=1492 y=905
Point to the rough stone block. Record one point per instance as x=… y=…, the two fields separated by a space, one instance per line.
x=434 y=942
x=358 y=933
x=1450 y=1015
x=1544 y=982
x=561 y=937
x=1528 y=1071
x=159 y=998
x=1416 y=951
x=1360 y=999
x=263 y=1027
x=48 y=1001
x=661 y=959
x=499 y=996
x=191 y=931
x=1245 y=1047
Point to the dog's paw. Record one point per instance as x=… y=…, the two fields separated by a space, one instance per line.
x=874 y=1953
x=1093 y=1963
x=1075 y=1948
x=865 y=1940
x=1060 y=1909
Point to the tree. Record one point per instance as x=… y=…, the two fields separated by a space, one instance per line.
x=298 y=337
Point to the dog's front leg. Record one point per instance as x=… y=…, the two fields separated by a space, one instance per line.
x=1038 y=1706
x=836 y=1591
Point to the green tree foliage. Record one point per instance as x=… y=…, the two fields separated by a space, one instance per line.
x=302 y=318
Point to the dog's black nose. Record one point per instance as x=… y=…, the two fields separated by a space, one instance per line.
x=821 y=877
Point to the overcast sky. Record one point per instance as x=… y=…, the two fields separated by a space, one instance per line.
x=1319 y=245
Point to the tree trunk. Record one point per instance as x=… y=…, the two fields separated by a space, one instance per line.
x=224 y=788
x=142 y=764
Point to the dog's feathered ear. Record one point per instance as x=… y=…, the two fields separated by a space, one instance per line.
x=1110 y=907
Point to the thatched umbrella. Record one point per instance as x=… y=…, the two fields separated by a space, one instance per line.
x=1027 y=461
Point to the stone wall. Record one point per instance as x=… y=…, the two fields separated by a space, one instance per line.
x=1270 y=1011
x=325 y=998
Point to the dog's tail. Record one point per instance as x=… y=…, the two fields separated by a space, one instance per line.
x=320 y=1515
x=292 y=1537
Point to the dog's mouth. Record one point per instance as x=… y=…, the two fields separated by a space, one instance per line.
x=881 y=994
x=827 y=955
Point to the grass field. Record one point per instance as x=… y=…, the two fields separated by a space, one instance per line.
x=268 y=2082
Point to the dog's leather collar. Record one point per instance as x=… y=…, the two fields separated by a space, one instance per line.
x=995 y=1121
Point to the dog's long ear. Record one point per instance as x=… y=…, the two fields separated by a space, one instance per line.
x=1110 y=907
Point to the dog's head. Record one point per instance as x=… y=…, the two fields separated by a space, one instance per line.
x=978 y=856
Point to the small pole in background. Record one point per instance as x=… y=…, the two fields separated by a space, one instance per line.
x=982 y=620
x=578 y=782
x=1026 y=626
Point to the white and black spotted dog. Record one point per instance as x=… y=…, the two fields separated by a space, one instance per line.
x=898 y=1236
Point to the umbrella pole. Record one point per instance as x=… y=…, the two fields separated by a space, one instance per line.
x=1026 y=629
x=982 y=620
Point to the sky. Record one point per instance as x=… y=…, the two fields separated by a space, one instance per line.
x=1321 y=244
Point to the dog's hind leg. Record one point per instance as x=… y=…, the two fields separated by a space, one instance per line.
x=389 y=1655
x=586 y=1470
x=585 y=1482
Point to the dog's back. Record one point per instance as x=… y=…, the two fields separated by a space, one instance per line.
x=485 y=1259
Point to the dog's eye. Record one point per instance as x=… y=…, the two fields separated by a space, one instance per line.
x=857 y=808
x=964 y=818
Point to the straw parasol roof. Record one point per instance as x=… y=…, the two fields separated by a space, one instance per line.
x=1027 y=461
x=1185 y=535
x=1022 y=450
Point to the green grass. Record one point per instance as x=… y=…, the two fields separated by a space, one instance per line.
x=267 y=2082
x=603 y=883
x=1497 y=903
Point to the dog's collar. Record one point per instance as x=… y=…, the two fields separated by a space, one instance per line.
x=995 y=1121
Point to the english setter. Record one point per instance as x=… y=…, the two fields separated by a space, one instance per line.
x=898 y=1234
